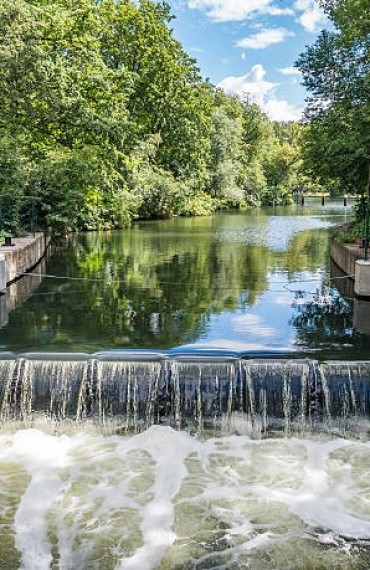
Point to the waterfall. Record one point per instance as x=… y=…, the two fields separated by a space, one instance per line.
x=132 y=394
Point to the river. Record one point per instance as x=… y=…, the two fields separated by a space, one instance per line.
x=173 y=464
x=252 y=282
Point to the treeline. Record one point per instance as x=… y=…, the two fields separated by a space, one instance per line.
x=105 y=119
x=336 y=72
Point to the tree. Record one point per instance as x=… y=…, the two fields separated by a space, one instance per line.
x=227 y=150
x=110 y=120
x=82 y=84
x=336 y=71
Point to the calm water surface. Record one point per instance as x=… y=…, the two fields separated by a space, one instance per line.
x=252 y=281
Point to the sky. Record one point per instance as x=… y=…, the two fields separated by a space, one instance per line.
x=250 y=46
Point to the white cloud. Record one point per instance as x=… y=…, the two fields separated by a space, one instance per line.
x=236 y=10
x=252 y=84
x=196 y=50
x=265 y=38
x=233 y=345
x=289 y=71
x=262 y=92
x=312 y=16
x=252 y=324
x=281 y=110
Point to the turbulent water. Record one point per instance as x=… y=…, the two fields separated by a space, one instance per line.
x=184 y=464
x=164 y=499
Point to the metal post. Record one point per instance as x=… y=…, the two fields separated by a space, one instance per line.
x=367 y=215
x=367 y=227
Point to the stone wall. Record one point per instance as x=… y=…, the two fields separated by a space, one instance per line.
x=21 y=257
x=350 y=259
x=345 y=256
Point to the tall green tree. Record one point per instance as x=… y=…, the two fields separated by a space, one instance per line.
x=105 y=118
x=336 y=71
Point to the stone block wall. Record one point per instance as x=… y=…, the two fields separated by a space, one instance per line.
x=24 y=255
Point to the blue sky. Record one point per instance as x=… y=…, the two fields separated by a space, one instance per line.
x=250 y=46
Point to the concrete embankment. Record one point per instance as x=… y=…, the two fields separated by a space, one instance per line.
x=350 y=259
x=21 y=257
x=345 y=256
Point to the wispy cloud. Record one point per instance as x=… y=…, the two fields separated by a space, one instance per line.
x=308 y=12
x=265 y=38
x=237 y=10
x=289 y=71
x=196 y=50
x=254 y=324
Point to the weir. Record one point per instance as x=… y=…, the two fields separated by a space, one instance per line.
x=292 y=491
x=132 y=391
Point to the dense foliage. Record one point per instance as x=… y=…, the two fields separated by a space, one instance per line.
x=336 y=71
x=106 y=119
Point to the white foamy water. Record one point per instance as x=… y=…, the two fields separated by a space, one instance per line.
x=164 y=500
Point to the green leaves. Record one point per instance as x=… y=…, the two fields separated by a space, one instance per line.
x=336 y=71
x=111 y=120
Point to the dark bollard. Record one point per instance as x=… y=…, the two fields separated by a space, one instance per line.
x=8 y=242
x=323 y=201
x=302 y=201
x=345 y=201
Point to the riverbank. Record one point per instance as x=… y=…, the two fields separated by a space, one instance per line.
x=21 y=256
x=349 y=257
x=345 y=256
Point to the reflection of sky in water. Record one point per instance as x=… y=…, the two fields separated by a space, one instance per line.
x=275 y=233
x=267 y=325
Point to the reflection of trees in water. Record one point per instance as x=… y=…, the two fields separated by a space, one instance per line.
x=324 y=319
x=163 y=291
x=155 y=285
x=308 y=250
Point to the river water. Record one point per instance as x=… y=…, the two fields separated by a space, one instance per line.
x=164 y=500
x=232 y=494
x=256 y=281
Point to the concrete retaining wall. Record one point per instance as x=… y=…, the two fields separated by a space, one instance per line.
x=21 y=257
x=345 y=256
x=2 y=272
x=20 y=290
x=350 y=259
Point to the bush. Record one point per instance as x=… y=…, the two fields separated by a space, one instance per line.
x=351 y=234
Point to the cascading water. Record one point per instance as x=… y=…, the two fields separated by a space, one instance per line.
x=154 y=462
x=266 y=394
